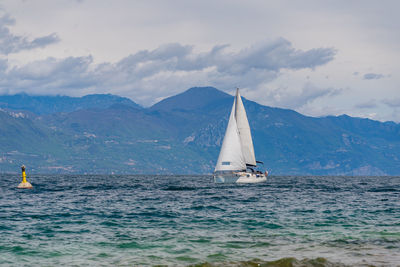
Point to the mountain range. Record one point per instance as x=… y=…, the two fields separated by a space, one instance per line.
x=182 y=134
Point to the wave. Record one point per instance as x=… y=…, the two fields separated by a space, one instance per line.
x=180 y=188
x=383 y=189
x=284 y=262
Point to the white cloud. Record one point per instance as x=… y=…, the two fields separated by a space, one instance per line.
x=151 y=74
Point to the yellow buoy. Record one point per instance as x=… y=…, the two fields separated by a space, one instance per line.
x=24 y=184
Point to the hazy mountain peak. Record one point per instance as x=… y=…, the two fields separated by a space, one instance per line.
x=191 y=99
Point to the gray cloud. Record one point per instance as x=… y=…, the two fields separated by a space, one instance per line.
x=373 y=76
x=151 y=74
x=50 y=76
x=10 y=43
x=394 y=103
x=271 y=56
x=367 y=105
x=285 y=97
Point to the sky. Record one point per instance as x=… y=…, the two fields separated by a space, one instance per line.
x=317 y=57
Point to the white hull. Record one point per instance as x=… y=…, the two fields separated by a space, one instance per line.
x=240 y=177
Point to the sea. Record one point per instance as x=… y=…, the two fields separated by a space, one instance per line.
x=184 y=220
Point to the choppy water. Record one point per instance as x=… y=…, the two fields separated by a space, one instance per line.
x=184 y=220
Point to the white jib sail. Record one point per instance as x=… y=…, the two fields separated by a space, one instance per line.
x=244 y=131
x=231 y=157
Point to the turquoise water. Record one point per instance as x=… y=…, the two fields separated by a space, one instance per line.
x=185 y=220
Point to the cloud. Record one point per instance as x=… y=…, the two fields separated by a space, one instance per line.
x=10 y=43
x=367 y=105
x=394 y=102
x=271 y=56
x=166 y=70
x=373 y=76
x=295 y=99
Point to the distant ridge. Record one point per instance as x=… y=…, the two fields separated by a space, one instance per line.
x=53 y=104
x=182 y=134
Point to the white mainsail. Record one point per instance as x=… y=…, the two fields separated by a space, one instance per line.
x=244 y=132
x=231 y=157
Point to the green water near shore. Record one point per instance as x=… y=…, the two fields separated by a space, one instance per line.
x=190 y=221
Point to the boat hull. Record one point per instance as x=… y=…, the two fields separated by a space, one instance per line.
x=240 y=178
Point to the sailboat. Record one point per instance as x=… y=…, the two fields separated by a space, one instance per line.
x=236 y=161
